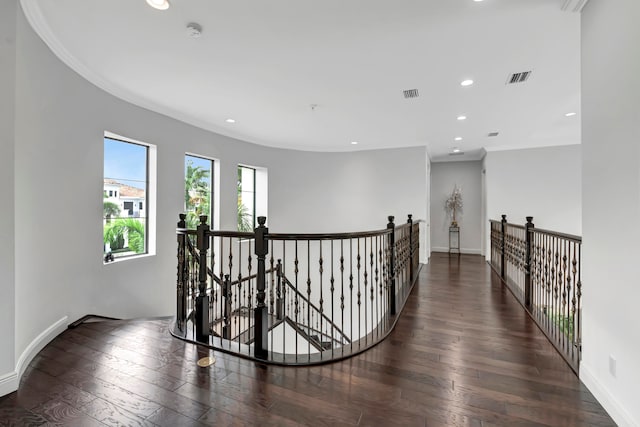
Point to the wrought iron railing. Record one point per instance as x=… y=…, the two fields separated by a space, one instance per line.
x=542 y=270
x=293 y=298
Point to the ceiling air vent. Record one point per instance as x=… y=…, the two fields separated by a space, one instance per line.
x=492 y=134
x=518 y=77
x=456 y=153
x=410 y=93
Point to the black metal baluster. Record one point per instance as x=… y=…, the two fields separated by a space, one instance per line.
x=574 y=272
x=239 y=318
x=566 y=277
x=270 y=311
x=309 y=321
x=332 y=289
x=226 y=314
x=320 y=270
x=365 y=285
x=377 y=303
x=297 y=298
x=547 y=273
x=579 y=304
x=555 y=270
x=249 y=299
x=359 y=294
x=342 y=291
x=372 y=292
x=284 y=291
x=351 y=290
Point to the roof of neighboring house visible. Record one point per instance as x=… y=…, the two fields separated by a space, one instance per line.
x=126 y=190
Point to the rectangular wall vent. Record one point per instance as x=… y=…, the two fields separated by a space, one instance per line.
x=492 y=134
x=518 y=77
x=410 y=93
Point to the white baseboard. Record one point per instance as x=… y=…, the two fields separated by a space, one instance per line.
x=8 y=383
x=607 y=400
x=462 y=251
x=39 y=343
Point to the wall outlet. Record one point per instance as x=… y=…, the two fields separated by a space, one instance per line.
x=613 y=365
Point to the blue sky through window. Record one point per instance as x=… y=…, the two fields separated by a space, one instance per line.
x=125 y=162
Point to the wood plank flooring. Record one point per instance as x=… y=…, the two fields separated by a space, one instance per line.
x=463 y=354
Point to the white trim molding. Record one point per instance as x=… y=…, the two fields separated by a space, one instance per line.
x=464 y=251
x=573 y=5
x=606 y=399
x=8 y=383
x=39 y=343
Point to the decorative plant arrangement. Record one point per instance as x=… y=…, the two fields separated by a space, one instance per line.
x=454 y=203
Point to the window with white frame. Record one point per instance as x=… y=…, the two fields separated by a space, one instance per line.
x=252 y=196
x=126 y=198
x=246 y=198
x=198 y=185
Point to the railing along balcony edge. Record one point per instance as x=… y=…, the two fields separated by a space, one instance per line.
x=383 y=279
x=542 y=269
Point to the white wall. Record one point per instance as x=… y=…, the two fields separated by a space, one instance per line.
x=466 y=175
x=611 y=200
x=60 y=122
x=7 y=237
x=541 y=182
x=334 y=192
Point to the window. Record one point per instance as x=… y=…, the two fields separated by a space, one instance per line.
x=126 y=178
x=198 y=177
x=246 y=198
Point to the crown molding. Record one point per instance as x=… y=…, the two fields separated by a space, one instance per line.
x=573 y=5
x=38 y=22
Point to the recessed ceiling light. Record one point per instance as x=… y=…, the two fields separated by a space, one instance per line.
x=456 y=150
x=230 y=121
x=467 y=82
x=458 y=138
x=477 y=0
x=354 y=142
x=570 y=114
x=462 y=117
x=159 y=4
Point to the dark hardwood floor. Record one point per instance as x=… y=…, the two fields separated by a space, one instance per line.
x=463 y=353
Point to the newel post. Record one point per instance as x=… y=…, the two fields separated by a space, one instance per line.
x=181 y=283
x=410 y=222
x=261 y=322
x=202 y=300
x=527 y=262
x=502 y=232
x=392 y=266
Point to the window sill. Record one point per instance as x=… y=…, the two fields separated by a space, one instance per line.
x=126 y=258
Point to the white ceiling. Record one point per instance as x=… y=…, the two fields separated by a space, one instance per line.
x=264 y=64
